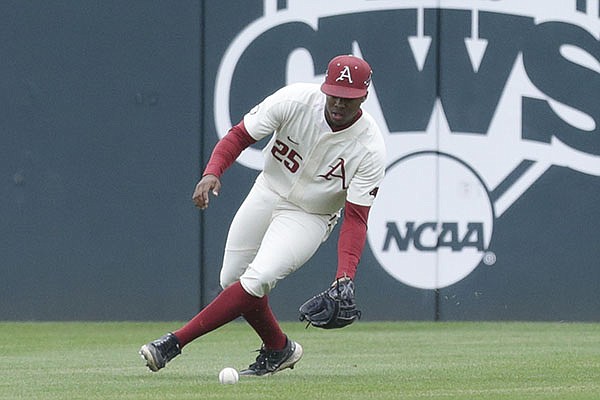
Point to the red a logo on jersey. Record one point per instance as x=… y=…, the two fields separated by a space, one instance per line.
x=337 y=171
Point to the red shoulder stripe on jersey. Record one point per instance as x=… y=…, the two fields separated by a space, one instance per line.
x=353 y=234
x=228 y=149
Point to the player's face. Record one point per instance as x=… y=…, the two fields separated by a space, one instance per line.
x=340 y=111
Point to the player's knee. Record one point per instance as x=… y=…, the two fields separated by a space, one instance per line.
x=255 y=285
x=227 y=279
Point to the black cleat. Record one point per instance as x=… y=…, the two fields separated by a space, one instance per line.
x=160 y=351
x=270 y=361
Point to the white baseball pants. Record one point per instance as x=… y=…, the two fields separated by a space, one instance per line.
x=269 y=238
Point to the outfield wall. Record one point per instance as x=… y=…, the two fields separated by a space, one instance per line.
x=489 y=109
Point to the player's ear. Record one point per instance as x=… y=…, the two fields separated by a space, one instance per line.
x=364 y=97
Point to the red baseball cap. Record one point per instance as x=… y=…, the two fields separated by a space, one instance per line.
x=348 y=77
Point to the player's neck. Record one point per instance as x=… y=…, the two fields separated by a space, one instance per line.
x=349 y=124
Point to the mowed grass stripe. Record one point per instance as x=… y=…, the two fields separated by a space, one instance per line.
x=368 y=360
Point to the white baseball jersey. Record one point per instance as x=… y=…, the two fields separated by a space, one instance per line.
x=309 y=172
x=308 y=164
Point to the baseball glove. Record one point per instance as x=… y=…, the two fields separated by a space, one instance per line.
x=334 y=308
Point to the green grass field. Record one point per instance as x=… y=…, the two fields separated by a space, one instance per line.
x=399 y=360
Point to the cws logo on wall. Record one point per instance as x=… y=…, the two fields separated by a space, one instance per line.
x=476 y=100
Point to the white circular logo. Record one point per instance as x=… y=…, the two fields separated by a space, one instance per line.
x=432 y=222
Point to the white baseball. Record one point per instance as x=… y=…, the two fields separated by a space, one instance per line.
x=229 y=376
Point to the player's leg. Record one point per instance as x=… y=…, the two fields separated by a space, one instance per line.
x=244 y=237
x=245 y=234
x=228 y=305
x=290 y=241
x=292 y=238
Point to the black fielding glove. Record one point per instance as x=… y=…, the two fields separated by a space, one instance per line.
x=334 y=308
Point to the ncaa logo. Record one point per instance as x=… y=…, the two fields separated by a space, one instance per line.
x=437 y=226
x=476 y=100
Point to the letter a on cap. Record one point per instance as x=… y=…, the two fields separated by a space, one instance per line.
x=345 y=74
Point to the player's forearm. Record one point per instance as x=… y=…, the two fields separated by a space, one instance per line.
x=353 y=235
x=228 y=149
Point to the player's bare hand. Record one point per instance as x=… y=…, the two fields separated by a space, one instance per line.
x=208 y=184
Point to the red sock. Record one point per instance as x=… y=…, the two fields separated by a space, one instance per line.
x=263 y=321
x=227 y=306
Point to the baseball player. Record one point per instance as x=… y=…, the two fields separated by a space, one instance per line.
x=325 y=154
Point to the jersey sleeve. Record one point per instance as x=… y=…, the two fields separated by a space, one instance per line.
x=361 y=194
x=267 y=116
x=227 y=150
x=365 y=183
x=353 y=235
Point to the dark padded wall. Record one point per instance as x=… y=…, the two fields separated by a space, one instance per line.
x=108 y=113
x=99 y=153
